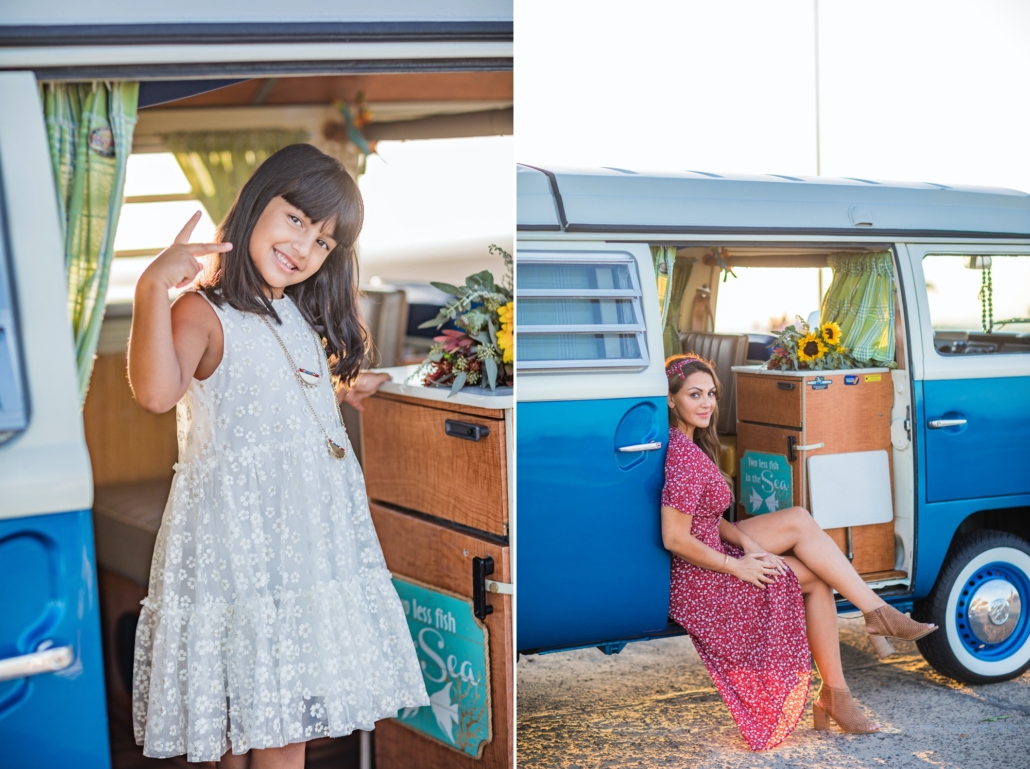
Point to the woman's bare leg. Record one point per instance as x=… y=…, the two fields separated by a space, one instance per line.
x=820 y=624
x=795 y=530
x=287 y=757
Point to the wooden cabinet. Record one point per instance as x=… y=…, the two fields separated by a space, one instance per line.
x=798 y=415
x=446 y=460
x=437 y=470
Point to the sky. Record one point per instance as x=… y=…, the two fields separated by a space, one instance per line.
x=914 y=90
x=908 y=91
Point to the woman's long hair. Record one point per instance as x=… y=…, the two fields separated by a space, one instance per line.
x=320 y=187
x=707 y=439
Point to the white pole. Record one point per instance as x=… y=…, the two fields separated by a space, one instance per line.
x=818 y=152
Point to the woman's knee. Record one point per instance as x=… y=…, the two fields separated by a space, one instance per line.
x=801 y=519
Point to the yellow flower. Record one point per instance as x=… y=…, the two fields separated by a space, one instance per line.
x=505 y=312
x=505 y=337
x=831 y=333
x=810 y=347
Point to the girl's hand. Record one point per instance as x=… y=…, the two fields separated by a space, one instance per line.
x=754 y=568
x=177 y=265
x=366 y=384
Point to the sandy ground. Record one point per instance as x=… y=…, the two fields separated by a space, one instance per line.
x=654 y=705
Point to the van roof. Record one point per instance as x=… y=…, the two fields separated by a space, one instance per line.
x=118 y=22
x=688 y=202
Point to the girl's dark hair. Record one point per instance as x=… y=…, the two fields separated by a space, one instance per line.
x=707 y=439
x=320 y=187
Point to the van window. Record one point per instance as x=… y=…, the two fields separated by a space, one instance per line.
x=13 y=411
x=978 y=304
x=579 y=314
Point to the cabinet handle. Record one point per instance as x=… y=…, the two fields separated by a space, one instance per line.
x=481 y=569
x=792 y=446
x=465 y=430
x=785 y=385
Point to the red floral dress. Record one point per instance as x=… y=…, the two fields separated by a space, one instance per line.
x=752 y=641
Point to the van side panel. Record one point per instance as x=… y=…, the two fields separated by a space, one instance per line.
x=48 y=570
x=591 y=563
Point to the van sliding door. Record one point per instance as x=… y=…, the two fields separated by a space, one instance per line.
x=592 y=428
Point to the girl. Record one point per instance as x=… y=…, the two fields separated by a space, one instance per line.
x=271 y=618
x=746 y=605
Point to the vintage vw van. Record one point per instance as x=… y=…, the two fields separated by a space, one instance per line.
x=917 y=465
x=440 y=69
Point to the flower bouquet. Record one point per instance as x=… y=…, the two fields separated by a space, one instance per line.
x=801 y=348
x=481 y=350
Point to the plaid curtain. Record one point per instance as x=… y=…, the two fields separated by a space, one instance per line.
x=671 y=273
x=861 y=300
x=89 y=127
x=218 y=163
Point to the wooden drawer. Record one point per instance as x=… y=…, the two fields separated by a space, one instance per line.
x=411 y=461
x=441 y=557
x=770 y=400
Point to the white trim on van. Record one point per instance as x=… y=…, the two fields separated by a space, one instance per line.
x=46 y=469
x=141 y=55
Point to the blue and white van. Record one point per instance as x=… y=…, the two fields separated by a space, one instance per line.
x=591 y=389
x=53 y=709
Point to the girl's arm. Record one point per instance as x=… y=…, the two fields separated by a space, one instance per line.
x=169 y=344
x=676 y=536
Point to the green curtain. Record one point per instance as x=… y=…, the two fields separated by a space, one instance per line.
x=861 y=300
x=664 y=257
x=218 y=163
x=89 y=128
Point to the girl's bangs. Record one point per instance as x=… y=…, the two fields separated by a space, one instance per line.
x=329 y=196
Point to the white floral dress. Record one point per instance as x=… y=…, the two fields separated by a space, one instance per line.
x=271 y=617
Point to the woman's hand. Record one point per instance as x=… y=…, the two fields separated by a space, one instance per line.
x=754 y=568
x=177 y=265
x=750 y=547
x=366 y=384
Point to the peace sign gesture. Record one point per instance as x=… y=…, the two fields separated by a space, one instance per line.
x=177 y=265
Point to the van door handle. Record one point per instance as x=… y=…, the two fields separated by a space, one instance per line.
x=33 y=664
x=653 y=446
x=937 y=424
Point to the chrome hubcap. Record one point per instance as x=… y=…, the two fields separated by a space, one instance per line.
x=994 y=611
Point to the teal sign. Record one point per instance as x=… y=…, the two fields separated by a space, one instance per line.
x=452 y=650
x=765 y=482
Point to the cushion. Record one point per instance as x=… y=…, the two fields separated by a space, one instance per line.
x=126 y=518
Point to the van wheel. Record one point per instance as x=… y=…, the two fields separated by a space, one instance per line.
x=981 y=603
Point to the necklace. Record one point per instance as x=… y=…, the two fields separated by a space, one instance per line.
x=337 y=451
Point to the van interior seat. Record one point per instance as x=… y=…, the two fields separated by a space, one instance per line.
x=724 y=351
x=126 y=519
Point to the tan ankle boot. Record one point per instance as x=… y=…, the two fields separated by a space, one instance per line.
x=839 y=705
x=887 y=622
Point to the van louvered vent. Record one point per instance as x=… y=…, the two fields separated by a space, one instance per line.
x=579 y=311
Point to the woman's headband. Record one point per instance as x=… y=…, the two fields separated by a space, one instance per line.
x=676 y=367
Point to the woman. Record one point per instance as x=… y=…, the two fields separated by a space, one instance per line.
x=757 y=596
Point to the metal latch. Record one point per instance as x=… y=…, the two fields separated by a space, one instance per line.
x=481 y=569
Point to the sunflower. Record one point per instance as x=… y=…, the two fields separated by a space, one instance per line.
x=505 y=341
x=831 y=333
x=810 y=347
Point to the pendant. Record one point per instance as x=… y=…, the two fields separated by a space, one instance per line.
x=309 y=378
x=337 y=451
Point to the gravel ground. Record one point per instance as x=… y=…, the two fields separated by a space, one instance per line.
x=654 y=705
